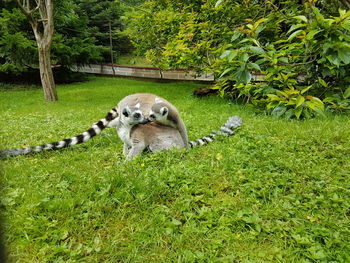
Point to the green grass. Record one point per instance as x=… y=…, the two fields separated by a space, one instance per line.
x=277 y=191
x=131 y=60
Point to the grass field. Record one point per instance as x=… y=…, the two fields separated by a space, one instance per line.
x=277 y=191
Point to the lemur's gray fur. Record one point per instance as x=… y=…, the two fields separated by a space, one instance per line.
x=153 y=137
x=146 y=102
x=157 y=137
x=166 y=114
x=129 y=117
x=93 y=131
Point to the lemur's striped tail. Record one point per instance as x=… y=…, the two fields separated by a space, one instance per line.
x=228 y=129
x=92 y=132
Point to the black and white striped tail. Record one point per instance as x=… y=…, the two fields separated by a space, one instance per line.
x=92 y=132
x=228 y=129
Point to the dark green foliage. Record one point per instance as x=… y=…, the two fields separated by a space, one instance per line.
x=305 y=69
x=81 y=36
x=72 y=43
x=99 y=16
x=17 y=47
x=32 y=76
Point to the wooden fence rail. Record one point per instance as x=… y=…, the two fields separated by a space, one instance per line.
x=150 y=72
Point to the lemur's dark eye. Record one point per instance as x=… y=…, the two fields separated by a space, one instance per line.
x=152 y=116
x=125 y=113
x=164 y=111
x=137 y=115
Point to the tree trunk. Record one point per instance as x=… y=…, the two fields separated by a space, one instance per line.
x=46 y=74
x=43 y=28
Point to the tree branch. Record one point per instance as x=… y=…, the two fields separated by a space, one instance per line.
x=24 y=11
x=346 y=3
x=31 y=20
x=35 y=8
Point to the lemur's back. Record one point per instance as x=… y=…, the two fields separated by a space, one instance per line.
x=156 y=137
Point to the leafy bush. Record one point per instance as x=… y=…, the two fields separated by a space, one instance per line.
x=305 y=70
x=301 y=49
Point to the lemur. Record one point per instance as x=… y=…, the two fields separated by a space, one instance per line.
x=147 y=102
x=92 y=132
x=164 y=113
x=156 y=137
x=153 y=137
x=129 y=117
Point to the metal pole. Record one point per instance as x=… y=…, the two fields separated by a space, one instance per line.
x=111 y=45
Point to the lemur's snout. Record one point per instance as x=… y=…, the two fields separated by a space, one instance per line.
x=137 y=115
x=145 y=121
x=152 y=117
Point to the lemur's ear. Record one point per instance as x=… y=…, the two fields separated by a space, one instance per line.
x=126 y=111
x=163 y=111
x=137 y=105
x=158 y=100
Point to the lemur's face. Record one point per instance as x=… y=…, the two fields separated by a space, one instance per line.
x=159 y=116
x=133 y=115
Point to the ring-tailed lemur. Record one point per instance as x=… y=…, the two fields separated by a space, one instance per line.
x=93 y=131
x=146 y=101
x=129 y=117
x=157 y=137
x=166 y=114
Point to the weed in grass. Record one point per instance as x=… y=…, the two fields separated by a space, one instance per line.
x=277 y=191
